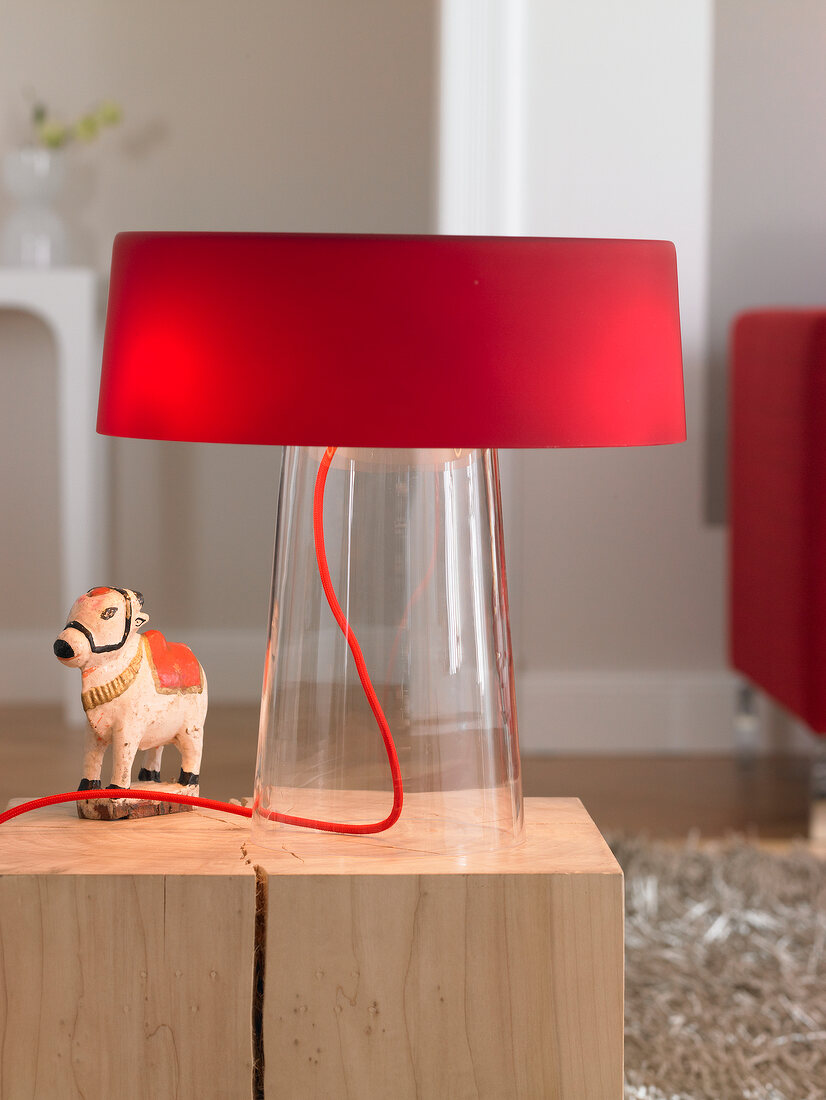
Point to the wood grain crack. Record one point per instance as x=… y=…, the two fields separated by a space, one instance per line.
x=259 y=967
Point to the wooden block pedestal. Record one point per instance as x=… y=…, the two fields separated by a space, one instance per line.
x=129 y=963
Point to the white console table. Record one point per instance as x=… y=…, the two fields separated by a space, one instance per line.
x=65 y=299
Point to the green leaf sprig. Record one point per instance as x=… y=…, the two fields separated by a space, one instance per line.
x=51 y=133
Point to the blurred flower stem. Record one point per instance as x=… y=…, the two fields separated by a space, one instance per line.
x=52 y=133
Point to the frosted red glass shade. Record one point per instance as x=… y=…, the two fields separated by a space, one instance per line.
x=392 y=341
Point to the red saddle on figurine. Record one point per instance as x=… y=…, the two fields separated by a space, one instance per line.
x=175 y=668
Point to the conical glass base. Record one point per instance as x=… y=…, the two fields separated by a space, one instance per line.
x=388 y=704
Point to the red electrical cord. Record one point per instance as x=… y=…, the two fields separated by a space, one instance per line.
x=273 y=815
x=364 y=676
x=82 y=796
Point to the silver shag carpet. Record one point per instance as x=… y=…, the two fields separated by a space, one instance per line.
x=725 y=973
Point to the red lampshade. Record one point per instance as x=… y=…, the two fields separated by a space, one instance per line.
x=392 y=341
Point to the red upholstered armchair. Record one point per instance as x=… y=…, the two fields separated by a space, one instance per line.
x=778 y=507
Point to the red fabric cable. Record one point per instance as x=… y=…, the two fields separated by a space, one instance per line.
x=273 y=815
x=81 y=796
x=364 y=677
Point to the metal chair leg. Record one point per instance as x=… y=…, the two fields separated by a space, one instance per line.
x=817 y=803
x=746 y=725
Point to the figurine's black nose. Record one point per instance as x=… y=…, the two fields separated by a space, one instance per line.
x=63 y=650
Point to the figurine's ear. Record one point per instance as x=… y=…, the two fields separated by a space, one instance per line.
x=140 y=620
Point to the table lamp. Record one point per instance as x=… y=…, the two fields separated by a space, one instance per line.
x=391 y=368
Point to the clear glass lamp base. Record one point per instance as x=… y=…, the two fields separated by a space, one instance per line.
x=388 y=705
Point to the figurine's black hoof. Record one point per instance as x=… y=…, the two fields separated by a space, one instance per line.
x=146 y=776
x=89 y=785
x=187 y=779
x=115 y=787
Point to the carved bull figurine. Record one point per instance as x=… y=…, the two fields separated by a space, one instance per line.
x=138 y=691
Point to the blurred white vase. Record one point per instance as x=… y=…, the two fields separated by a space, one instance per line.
x=34 y=233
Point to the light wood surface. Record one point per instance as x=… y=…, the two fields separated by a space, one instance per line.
x=55 y=841
x=127 y=963
x=496 y=986
x=125 y=985
x=663 y=796
x=205 y=842
x=559 y=838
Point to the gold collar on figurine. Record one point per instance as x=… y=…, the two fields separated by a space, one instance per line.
x=105 y=693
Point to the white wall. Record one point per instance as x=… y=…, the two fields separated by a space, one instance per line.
x=618 y=145
x=284 y=115
x=768 y=217
x=596 y=118
x=702 y=122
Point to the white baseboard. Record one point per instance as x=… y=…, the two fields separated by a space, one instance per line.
x=643 y=712
x=559 y=712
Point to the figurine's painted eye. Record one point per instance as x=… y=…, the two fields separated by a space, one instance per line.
x=108 y=613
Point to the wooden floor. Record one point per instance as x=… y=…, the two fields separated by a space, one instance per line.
x=669 y=796
x=663 y=796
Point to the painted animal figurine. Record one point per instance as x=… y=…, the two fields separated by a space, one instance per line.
x=138 y=691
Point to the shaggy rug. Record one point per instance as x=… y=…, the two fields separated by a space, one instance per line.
x=725 y=973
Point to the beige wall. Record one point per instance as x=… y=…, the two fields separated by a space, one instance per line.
x=768 y=215
x=618 y=146
x=282 y=115
x=324 y=114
